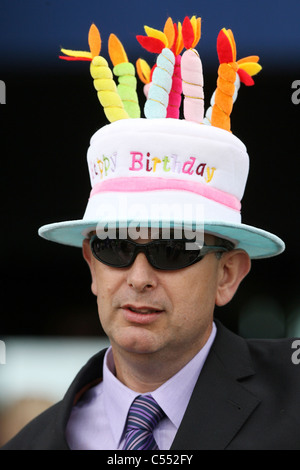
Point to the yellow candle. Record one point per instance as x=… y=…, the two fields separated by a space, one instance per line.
x=102 y=75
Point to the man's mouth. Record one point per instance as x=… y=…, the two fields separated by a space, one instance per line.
x=144 y=310
x=141 y=314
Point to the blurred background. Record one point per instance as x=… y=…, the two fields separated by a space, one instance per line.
x=49 y=322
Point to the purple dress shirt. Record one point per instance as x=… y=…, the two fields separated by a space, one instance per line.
x=97 y=422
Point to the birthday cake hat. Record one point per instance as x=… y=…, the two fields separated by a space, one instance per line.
x=161 y=159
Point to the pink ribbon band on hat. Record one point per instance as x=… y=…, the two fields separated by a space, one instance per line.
x=140 y=184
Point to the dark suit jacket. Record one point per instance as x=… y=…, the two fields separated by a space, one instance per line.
x=247 y=397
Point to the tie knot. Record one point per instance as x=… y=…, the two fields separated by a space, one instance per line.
x=144 y=413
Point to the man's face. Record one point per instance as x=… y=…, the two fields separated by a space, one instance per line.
x=148 y=311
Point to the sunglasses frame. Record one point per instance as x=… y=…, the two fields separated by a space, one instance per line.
x=144 y=248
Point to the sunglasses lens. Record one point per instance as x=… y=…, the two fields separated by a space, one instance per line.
x=163 y=254
x=171 y=254
x=113 y=252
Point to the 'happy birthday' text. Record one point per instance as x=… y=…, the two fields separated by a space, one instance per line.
x=140 y=162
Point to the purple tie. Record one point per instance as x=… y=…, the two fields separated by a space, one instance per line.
x=143 y=416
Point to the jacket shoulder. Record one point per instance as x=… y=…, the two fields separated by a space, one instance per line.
x=280 y=357
x=247 y=354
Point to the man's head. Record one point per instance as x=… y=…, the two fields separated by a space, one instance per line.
x=165 y=313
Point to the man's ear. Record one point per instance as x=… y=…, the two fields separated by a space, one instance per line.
x=88 y=256
x=234 y=266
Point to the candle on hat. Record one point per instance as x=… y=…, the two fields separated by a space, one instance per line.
x=162 y=74
x=125 y=72
x=158 y=95
x=223 y=101
x=171 y=37
x=230 y=75
x=174 y=35
x=103 y=78
x=191 y=71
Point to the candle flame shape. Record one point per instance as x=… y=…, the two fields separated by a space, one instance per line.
x=94 y=40
x=191 y=32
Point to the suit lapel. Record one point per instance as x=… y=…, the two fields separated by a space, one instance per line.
x=220 y=404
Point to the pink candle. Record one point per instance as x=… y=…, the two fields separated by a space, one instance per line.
x=176 y=90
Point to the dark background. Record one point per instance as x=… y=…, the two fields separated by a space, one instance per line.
x=52 y=110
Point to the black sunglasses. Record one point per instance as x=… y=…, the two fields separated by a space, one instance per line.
x=161 y=254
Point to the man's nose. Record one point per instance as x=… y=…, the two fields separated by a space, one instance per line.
x=141 y=275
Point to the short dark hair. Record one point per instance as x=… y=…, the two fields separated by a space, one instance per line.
x=224 y=243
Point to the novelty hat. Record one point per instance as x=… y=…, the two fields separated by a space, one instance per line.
x=162 y=169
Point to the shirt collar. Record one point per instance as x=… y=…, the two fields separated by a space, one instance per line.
x=173 y=396
x=117 y=397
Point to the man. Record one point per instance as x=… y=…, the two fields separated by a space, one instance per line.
x=163 y=238
x=216 y=389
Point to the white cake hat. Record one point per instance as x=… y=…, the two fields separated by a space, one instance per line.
x=161 y=170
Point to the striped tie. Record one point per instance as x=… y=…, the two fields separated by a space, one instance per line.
x=143 y=416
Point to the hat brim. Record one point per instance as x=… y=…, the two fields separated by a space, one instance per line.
x=256 y=242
